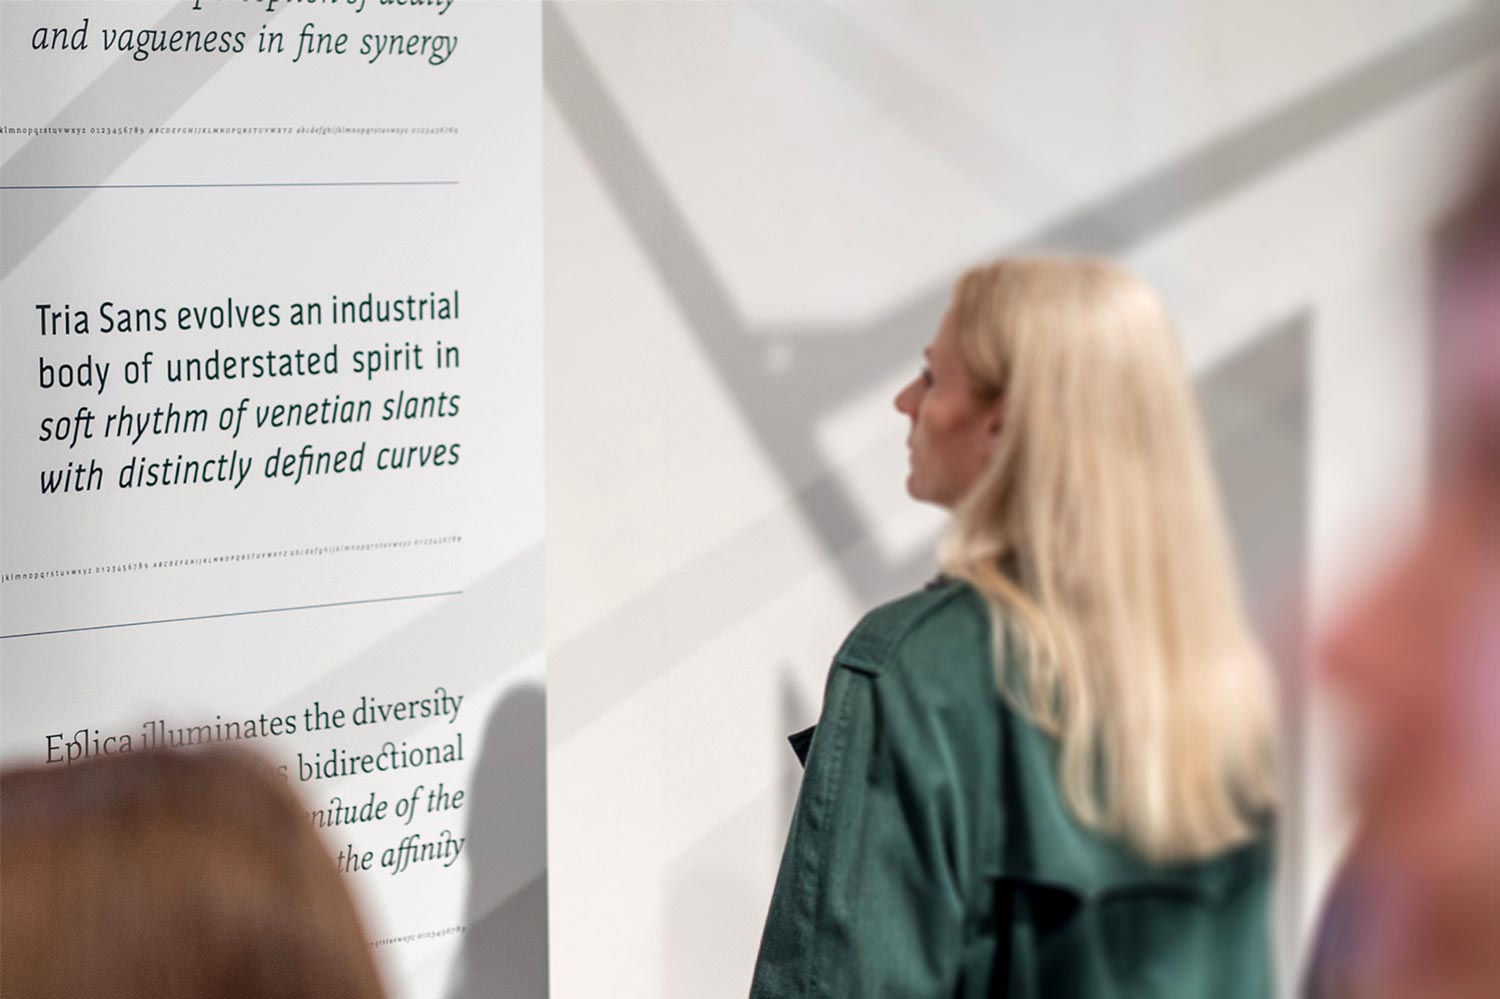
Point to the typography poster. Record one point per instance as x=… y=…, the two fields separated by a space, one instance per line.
x=272 y=456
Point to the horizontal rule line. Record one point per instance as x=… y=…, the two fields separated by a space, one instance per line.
x=292 y=183
x=242 y=613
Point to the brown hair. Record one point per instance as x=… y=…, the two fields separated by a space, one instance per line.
x=1466 y=322
x=1475 y=220
x=171 y=875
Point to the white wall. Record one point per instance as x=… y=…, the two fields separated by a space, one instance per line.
x=753 y=214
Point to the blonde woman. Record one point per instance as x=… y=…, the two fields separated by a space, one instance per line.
x=1051 y=772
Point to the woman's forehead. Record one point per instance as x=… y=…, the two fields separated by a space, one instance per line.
x=945 y=339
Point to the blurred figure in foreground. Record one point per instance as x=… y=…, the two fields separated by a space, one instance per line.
x=173 y=876
x=1416 y=911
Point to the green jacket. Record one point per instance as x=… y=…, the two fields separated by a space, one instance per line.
x=931 y=854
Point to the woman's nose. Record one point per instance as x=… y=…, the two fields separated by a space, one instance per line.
x=905 y=399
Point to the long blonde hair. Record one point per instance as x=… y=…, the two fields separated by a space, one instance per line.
x=1095 y=535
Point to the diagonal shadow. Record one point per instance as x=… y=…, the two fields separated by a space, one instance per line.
x=1121 y=219
x=964 y=140
x=820 y=366
x=158 y=89
x=662 y=624
x=406 y=656
x=1259 y=444
x=784 y=379
x=739 y=362
x=909 y=100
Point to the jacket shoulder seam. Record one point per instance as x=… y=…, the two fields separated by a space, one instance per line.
x=872 y=644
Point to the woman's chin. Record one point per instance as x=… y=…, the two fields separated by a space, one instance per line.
x=922 y=492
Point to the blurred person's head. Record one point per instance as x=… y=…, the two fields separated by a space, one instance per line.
x=1416 y=659
x=174 y=876
x=1413 y=654
x=1057 y=421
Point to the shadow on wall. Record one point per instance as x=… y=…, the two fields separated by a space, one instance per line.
x=448 y=631
x=796 y=715
x=715 y=905
x=158 y=90
x=1256 y=409
x=1257 y=405
x=787 y=378
x=505 y=951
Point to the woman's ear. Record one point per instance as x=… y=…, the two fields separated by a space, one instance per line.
x=995 y=419
x=994 y=422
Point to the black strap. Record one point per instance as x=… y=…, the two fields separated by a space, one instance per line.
x=801 y=743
